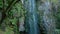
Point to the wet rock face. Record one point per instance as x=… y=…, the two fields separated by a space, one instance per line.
x=22 y=1
x=21 y=24
x=47 y=17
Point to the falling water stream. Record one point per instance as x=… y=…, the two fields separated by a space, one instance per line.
x=32 y=19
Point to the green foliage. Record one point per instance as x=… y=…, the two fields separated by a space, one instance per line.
x=1 y=3
x=9 y=30
x=55 y=1
x=58 y=18
x=12 y=17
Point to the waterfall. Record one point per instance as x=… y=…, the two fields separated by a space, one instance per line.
x=32 y=20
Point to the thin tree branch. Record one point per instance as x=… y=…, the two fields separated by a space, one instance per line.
x=11 y=4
